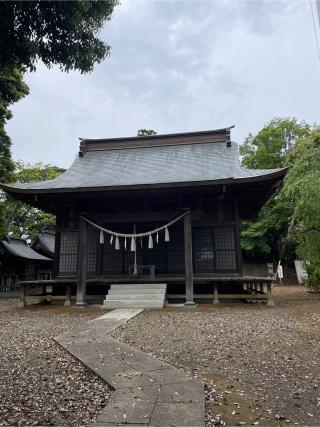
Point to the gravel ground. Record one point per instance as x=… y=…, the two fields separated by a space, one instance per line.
x=260 y=364
x=41 y=384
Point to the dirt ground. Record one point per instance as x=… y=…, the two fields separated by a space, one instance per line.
x=260 y=364
x=40 y=383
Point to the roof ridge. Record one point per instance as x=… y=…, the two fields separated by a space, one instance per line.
x=198 y=137
x=157 y=136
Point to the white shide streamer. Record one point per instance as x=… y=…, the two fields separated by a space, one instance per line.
x=137 y=235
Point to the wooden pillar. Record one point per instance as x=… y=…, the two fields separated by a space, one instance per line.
x=215 y=294
x=188 y=260
x=22 y=302
x=238 y=236
x=82 y=265
x=261 y=288
x=68 y=295
x=269 y=294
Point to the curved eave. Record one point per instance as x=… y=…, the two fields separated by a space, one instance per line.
x=44 y=248
x=274 y=176
x=25 y=253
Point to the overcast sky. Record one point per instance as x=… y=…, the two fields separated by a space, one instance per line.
x=177 y=66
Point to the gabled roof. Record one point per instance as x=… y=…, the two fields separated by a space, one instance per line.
x=20 y=248
x=163 y=160
x=46 y=242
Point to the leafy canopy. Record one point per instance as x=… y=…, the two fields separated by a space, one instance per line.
x=56 y=32
x=146 y=132
x=272 y=147
x=12 y=89
x=18 y=218
x=301 y=189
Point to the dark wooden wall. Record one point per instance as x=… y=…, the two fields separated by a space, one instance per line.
x=211 y=218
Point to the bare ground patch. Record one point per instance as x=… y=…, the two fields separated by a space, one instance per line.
x=41 y=384
x=261 y=364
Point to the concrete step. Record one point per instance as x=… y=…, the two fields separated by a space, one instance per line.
x=131 y=304
x=137 y=297
x=116 y=291
x=140 y=286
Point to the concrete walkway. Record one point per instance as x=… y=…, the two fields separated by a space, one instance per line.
x=148 y=392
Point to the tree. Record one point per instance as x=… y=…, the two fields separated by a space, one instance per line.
x=64 y=33
x=55 y=32
x=271 y=148
x=26 y=172
x=12 y=89
x=301 y=190
x=18 y=218
x=262 y=239
x=146 y=132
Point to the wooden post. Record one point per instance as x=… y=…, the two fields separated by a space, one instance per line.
x=269 y=295
x=43 y=289
x=22 y=302
x=82 y=265
x=188 y=260
x=68 y=295
x=261 y=288
x=215 y=294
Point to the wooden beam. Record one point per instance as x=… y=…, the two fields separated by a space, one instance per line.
x=188 y=260
x=82 y=264
x=221 y=296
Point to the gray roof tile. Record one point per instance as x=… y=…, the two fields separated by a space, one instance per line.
x=22 y=250
x=151 y=165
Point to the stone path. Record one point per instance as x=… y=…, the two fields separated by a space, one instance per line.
x=148 y=392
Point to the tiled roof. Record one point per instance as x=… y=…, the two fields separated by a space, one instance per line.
x=143 y=166
x=19 y=248
x=46 y=242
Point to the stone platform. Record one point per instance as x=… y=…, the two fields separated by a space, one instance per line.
x=148 y=391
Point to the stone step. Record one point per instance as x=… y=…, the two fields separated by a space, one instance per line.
x=131 y=304
x=139 y=286
x=116 y=291
x=137 y=297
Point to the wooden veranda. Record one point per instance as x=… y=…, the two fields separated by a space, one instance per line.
x=250 y=289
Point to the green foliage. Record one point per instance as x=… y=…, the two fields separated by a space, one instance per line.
x=314 y=276
x=302 y=191
x=146 y=132
x=18 y=218
x=262 y=238
x=274 y=146
x=270 y=146
x=26 y=172
x=12 y=89
x=55 y=32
